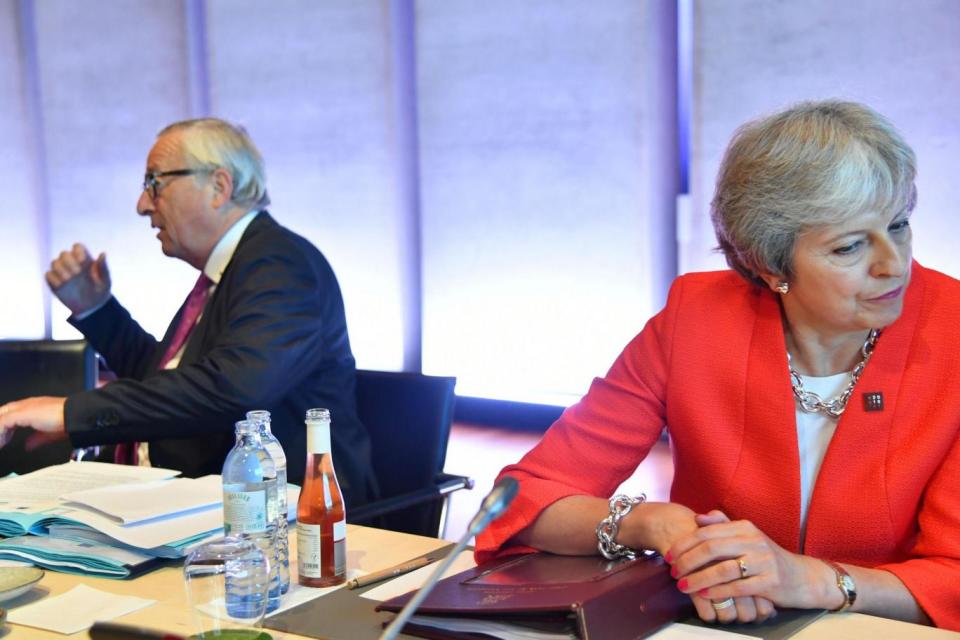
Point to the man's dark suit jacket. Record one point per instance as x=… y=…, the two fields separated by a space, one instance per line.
x=273 y=336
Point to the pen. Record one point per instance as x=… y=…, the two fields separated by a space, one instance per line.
x=117 y=631
x=390 y=572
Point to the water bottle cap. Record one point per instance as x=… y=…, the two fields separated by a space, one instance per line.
x=259 y=416
x=314 y=415
x=246 y=426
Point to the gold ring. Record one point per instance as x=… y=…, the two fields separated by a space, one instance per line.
x=721 y=605
x=743 y=568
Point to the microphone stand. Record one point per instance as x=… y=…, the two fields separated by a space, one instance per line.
x=492 y=507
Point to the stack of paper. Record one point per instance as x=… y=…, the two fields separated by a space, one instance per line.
x=113 y=521
x=30 y=502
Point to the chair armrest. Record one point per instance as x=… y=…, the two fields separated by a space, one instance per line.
x=444 y=484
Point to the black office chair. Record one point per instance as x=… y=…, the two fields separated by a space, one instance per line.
x=408 y=416
x=41 y=368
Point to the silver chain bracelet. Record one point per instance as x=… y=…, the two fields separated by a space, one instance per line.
x=620 y=506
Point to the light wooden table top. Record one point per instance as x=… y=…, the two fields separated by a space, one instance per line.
x=369 y=550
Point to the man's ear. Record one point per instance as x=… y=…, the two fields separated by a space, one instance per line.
x=222 y=183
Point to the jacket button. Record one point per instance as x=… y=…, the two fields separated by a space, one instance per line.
x=109 y=418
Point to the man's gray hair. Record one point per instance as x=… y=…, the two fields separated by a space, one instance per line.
x=815 y=164
x=210 y=143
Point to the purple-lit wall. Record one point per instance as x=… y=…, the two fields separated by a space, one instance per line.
x=496 y=184
x=902 y=57
x=549 y=172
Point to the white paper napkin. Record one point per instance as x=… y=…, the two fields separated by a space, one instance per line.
x=415 y=579
x=76 y=610
x=680 y=631
x=298 y=594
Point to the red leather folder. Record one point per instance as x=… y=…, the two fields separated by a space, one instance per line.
x=597 y=598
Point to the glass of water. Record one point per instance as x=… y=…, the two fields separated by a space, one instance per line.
x=227 y=582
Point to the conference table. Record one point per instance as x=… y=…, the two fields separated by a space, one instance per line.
x=343 y=615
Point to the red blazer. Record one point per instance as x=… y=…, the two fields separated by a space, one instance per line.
x=712 y=368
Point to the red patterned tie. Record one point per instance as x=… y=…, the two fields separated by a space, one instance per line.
x=126 y=452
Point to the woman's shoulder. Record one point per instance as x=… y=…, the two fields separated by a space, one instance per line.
x=706 y=299
x=728 y=279
x=710 y=287
x=936 y=289
x=933 y=278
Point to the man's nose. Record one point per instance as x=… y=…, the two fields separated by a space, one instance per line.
x=144 y=204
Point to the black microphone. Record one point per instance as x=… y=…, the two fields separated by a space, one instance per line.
x=491 y=508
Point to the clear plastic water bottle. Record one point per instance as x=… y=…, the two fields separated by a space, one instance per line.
x=250 y=499
x=273 y=447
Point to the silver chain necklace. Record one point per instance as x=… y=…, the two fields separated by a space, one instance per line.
x=812 y=402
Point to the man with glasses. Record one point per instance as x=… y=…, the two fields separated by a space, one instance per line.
x=263 y=328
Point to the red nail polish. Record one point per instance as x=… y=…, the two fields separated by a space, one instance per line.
x=704 y=593
x=668 y=557
x=673 y=571
x=682 y=584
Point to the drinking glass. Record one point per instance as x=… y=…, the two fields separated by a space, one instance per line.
x=227 y=580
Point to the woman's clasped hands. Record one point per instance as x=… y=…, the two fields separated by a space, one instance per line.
x=736 y=573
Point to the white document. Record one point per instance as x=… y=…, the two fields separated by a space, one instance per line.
x=143 y=501
x=49 y=483
x=73 y=548
x=298 y=594
x=415 y=579
x=76 y=610
x=680 y=631
x=496 y=628
x=161 y=531
x=146 y=535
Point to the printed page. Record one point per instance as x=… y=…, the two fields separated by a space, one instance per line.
x=160 y=531
x=155 y=533
x=143 y=501
x=48 y=484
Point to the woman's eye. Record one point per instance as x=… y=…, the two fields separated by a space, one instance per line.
x=847 y=249
x=899 y=226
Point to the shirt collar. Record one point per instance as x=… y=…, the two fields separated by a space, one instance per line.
x=223 y=251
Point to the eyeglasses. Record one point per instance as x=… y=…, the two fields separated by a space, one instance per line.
x=152 y=184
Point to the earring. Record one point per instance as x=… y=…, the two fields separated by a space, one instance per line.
x=783 y=287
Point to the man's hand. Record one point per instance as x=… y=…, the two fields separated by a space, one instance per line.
x=79 y=282
x=43 y=413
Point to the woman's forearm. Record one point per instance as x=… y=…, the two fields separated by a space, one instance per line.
x=881 y=593
x=568 y=526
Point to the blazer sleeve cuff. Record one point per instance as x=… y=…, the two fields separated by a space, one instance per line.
x=534 y=496
x=85 y=423
x=935 y=584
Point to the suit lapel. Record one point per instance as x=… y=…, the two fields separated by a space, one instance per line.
x=854 y=465
x=211 y=321
x=767 y=479
x=161 y=349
